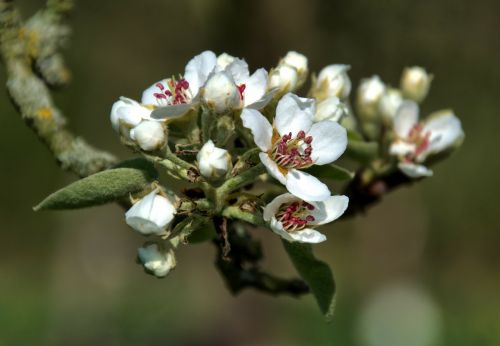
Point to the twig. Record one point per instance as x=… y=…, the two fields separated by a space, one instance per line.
x=31 y=97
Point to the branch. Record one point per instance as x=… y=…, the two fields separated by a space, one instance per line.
x=31 y=97
x=241 y=269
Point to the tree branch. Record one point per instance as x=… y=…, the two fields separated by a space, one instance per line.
x=31 y=97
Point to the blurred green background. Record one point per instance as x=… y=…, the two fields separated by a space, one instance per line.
x=422 y=268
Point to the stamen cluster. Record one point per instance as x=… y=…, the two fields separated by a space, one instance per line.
x=289 y=152
x=420 y=139
x=295 y=216
x=177 y=92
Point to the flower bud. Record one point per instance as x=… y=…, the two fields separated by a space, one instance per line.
x=221 y=94
x=370 y=92
x=156 y=260
x=285 y=78
x=151 y=215
x=127 y=113
x=415 y=83
x=213 y=162
x=332 y=81
x=149 y=135
x=299 y=62
x=330 y=109
x=390 y=102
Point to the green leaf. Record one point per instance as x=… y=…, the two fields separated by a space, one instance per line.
x=315 y=273
x=331 y=172
x=103 y=187
x=362 y=151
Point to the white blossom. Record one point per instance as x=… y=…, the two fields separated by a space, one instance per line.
x=221 y=94
x=295 y=142
x=415 y=140
x=332 y=81
x=149 y=135
x=330 y=109
x=284 y=78
x=299 y=62
x=151 y=214
x=415 y=83
x=126 y=114
x=294 y=219
x=390 y=102
x=156 y=260
x=370 y=91
x=213 y=162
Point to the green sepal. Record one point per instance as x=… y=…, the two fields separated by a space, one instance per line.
x=315 y=273
x=128 y=177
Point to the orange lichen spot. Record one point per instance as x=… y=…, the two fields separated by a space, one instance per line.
x=44 y=113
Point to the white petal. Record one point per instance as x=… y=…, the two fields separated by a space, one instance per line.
x=306 y=187
x=239 y=70
x=255 y=87
x=148 y=97
x=293 y=114
x=307 y=235
x=171 y=112
x=277 y=228
x=401 y=148
x=262 y=130
x=272 y=207
x=329 y=210
x=329 y=141
x=198 y=69
x=149 y=135
x=445 y=130
x=414 y=171
x=406 y=117
x=272 y=168
x=151 y=215
x=264 y=100
x=223 y=60
x=330 y=109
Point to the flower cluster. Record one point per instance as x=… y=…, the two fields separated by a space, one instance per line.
x=227 y=126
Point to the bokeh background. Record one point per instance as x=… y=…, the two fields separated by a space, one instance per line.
x=420 y=269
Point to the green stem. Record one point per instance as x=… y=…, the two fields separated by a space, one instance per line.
x=237 y=182
x=235 y=212
x=189 y=173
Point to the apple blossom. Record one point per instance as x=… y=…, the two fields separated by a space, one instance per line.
x=415 y=83
x=415 y=141
x=151 y=214
x=330 y=109
x=332 y=81
x=370 y=91
x=149 y=135
x=156 y=260
x=294 y=219
x=213 y=162
x=390 y=102
x=126 y=114
x=295 y=142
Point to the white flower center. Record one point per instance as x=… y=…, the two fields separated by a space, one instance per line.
x=420 y=139
x=295 y=216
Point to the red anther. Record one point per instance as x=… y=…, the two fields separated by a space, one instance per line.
x=308 y=151
x=301 y=134
x=241 y=89
x=308 y=140
x=309 y=206
x=168 y=93
x=310 y=218
x=159 y=96
x=160 y=86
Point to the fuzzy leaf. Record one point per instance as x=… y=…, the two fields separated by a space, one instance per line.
x=103 y=187
x=315 y=273
x=331 y=171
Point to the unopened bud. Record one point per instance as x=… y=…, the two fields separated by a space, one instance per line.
x=224 y=60
x=415 y=83
x=370 y=92
x=284 y=78
x=156 y=260
x=149 y=135
x=299 y=62
x=330 y=109
x=151 y=215
x=213 y=162
x=221 y=94
x=127 y=113
x=390 y=102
